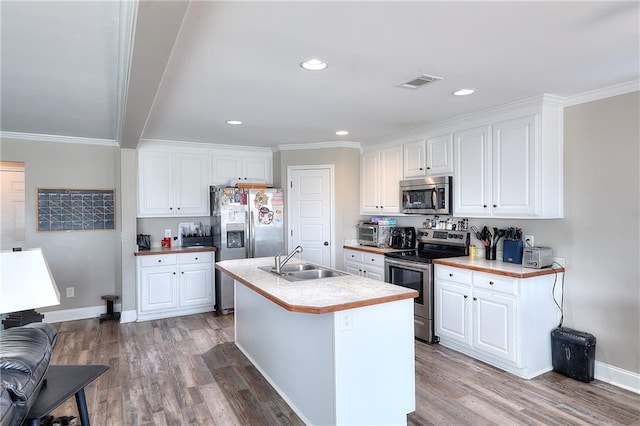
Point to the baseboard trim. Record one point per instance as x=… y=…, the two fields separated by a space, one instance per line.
x=77 y=314
x=617 y=376
x=129 y=316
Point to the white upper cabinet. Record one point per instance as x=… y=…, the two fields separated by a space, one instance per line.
x=440 y=155
x=380 y=176
x=172 y=184
x=230 y=166
x=430 y=157
x=510 y=167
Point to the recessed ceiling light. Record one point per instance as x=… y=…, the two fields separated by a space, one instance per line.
x=314 y=64
x=234 y=122
x=463 y=92
x=342 y=133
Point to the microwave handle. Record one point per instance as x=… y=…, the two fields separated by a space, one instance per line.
x=434 y=198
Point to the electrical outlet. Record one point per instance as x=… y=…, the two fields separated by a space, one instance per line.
x=345 y=321
x=167 y=233
x=70 y=292
x=529 y=241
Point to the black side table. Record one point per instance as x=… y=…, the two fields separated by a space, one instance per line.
x=62 y=381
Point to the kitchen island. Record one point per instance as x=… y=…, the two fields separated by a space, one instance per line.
x=339 y=350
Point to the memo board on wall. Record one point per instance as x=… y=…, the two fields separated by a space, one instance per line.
x=75 y=209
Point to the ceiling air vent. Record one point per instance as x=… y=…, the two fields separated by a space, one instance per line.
x=420 y=81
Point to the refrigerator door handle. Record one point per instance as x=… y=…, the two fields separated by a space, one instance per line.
x=251 y=235
x=247 y=243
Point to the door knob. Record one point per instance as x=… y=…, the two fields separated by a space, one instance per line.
x=326 y=243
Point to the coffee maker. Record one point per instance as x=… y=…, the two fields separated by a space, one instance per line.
x=403 y=237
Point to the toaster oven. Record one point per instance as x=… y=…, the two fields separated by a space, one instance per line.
x=372 y=234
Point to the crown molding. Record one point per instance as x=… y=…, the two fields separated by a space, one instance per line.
x=57 y=138
x=161 y=143
x=318 y=145
x=605 y=92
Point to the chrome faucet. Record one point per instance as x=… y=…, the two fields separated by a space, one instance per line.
x=280 y=264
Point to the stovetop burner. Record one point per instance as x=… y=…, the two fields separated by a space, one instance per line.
x=435 y=244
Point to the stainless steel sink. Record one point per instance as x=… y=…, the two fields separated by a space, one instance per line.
x=304 y=272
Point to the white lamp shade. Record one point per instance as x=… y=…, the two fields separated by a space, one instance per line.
x=26 y=281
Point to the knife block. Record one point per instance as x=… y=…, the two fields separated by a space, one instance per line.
x=512 y=251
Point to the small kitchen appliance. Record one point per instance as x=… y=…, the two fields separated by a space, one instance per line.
x=373 y=234
x=403 y=237
x=414 y=269
x=426 y=196
x=537 y=257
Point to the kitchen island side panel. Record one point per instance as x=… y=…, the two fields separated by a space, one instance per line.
x=293 y=351
x=375 y=364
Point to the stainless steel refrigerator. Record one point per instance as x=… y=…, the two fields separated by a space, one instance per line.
x=245 y=223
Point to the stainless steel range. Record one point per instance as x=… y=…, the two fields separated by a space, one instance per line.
x=414 y=269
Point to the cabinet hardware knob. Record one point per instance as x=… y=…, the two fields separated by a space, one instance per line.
x=428 y=168
x=196 y=258
x=421 y=168
x=450 y=275
x=490 y=282
x=159 y=260
x=170 y=208
x=475 y=298
x=178 y=208
x=174 y=273
x=326 y=243
x=182 y=272
x=484 y=206
x=465 y=296
x=495 y=205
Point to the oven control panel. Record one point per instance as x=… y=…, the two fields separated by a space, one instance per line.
x=426 y=235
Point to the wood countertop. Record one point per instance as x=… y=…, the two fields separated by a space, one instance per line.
x=173 y=250
x=497 y=267
x=370 y=249
x=317 y=296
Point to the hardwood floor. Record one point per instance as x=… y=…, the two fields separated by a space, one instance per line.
x=187 y=371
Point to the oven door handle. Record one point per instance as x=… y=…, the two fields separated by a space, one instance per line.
x=407 y=265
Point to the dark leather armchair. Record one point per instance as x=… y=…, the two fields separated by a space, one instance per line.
x=25 y=353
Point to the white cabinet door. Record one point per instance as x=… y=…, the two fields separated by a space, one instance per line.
x=494 y=324
x=228 y=166
x=414 y=160
x=368 y=265
x=380 y=176
x=439 y=155
x=370 y=182
x=172 y=184
x=472 y=185
x=374 y=273
x=158 y=289
x=196 y=287
x=452 y=311
x=155 y=183
x=191 y=189
x=390 y=177
x=515 y=174
x=258 y=169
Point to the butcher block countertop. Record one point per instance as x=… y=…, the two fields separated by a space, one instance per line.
x=173 y=250
x=497 y=267
x=370 y=249
x=316 y=296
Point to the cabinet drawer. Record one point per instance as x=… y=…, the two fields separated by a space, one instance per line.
x=353 y=255
x=369 y=259
x=158 y=260
x=457 y=275
x=495 y=283
x=199 y=257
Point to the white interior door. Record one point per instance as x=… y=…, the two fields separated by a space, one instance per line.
x=12 y=213
x=310 y=210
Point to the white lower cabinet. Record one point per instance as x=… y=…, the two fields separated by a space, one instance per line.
x=364 y=264
x=504 y=321
x=175 y=284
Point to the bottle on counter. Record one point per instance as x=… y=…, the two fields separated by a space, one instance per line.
x=472 y=251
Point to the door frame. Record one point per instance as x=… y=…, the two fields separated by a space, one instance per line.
x=332 y=230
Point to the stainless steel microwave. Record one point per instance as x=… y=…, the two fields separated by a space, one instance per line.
x=431 y=195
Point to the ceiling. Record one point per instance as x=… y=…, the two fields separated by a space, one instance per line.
x=110 y=71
